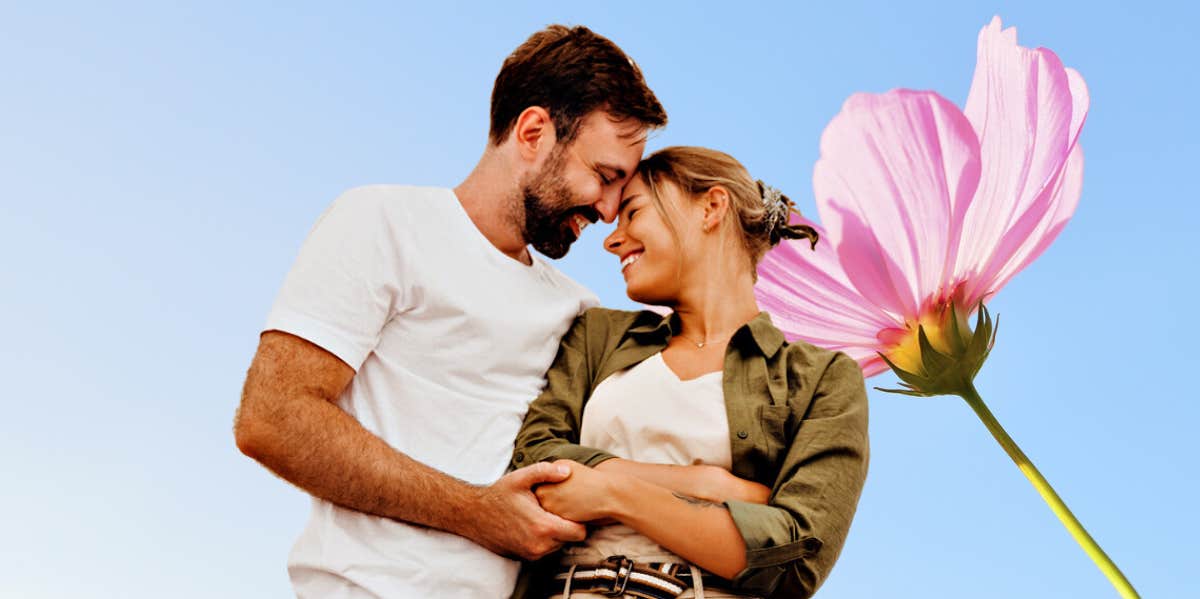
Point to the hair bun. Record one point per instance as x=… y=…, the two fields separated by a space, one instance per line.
x=776 y=210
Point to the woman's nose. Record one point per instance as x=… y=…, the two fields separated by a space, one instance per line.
x=613 y=242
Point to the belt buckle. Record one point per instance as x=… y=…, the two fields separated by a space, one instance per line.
x=619 y=584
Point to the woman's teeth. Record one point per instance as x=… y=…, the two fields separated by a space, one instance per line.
x=630 y=259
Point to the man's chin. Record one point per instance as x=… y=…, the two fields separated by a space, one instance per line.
x=554 y=250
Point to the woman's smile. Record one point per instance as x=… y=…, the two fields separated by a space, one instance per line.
x=629 y=259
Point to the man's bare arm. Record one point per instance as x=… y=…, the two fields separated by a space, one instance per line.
x=289 y=422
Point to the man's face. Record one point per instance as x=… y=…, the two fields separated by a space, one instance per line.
x=580 y=182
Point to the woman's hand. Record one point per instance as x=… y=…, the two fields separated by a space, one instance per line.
x=585 y=496
x=717 y=485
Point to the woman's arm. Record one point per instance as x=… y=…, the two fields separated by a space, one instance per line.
x=783 y=549
x=792 y=543
x=701 y=481
x=552 y=424
x=700 y=531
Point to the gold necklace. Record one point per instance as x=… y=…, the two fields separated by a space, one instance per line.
x=701 y=344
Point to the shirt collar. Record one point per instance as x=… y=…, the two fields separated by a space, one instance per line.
x=760 y=331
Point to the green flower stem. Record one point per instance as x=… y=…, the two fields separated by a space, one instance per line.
x=1043 y=487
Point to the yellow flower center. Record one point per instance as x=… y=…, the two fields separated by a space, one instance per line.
x=939 y=329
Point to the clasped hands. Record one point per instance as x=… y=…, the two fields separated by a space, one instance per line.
x=534 y=510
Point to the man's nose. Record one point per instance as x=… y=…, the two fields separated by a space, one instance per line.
x=608 y=203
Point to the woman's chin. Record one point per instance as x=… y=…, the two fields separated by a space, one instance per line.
x=634 y=294
x=643 y=296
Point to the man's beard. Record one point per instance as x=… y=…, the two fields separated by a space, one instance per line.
x=549 y=207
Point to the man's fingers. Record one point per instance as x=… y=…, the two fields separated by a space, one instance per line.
x=568 y=531
x=540 y=473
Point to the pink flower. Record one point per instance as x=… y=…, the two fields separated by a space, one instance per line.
x=926 y=207
x=928 y=211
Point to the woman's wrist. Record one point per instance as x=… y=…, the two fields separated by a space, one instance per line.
x=620 y=501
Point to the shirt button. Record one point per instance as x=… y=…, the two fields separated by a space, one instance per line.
x=520 y=456
x=743 y=434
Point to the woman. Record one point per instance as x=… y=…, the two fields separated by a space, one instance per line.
x=713 y=458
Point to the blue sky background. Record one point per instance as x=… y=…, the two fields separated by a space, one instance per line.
x=159 y=167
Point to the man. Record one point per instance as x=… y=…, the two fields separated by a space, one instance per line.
x=415 y=327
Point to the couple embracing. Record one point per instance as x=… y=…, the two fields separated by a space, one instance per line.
x=693 y=454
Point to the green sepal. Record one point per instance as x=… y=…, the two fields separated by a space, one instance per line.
x=932 y=360
x=903 y=392
x=956 y=340
x=948 y=374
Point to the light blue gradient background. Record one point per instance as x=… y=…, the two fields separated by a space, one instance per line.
x=159 y=168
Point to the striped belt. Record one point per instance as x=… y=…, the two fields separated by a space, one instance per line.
x=619 y=576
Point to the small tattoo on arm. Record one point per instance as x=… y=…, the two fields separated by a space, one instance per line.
x=696 y=501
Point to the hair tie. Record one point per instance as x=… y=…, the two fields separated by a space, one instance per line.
x=776 y=207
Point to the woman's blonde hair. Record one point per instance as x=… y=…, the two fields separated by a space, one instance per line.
x=761 y=213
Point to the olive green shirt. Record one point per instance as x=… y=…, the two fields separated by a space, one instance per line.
x=797 y=424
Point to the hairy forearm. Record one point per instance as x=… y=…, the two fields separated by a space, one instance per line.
x=697 y=530
x=318 y=447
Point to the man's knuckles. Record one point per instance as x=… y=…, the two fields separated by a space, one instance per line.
x=542 y=530
x=538 y=547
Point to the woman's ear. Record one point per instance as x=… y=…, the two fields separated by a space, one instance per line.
x=715 y=205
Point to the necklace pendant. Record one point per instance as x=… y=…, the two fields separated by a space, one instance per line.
x=700 y=346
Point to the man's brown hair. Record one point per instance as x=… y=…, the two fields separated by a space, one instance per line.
x=570 y=71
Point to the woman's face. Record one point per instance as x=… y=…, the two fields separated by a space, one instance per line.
x=651 y=260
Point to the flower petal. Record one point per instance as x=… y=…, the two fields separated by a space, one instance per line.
x=810 y=298
x=1027 y=110
x=1065 y=198
x=1081 y=101
x=896 y=175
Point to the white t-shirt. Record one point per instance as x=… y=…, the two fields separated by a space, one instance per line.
x=450 y=340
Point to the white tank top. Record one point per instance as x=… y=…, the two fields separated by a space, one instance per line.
x=646 y=413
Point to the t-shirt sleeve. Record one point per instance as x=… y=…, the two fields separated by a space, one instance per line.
x=348 y=280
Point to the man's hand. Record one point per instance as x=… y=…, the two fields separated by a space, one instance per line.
x=511 y=522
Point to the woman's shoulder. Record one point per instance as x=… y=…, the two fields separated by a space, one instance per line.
x=606 y=323
x=817 y=363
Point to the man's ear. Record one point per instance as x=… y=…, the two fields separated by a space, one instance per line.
x=534 y=133
x=715 y=202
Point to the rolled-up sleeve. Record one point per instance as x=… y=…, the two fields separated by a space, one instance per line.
x=552 y=424
x=794 y=540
